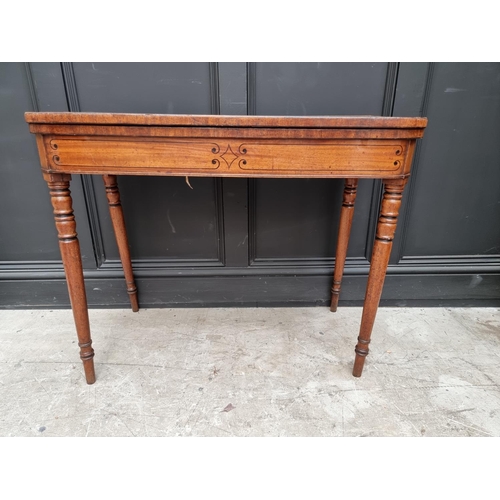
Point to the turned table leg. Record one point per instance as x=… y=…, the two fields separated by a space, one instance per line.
x=386 y=227
x=116 y=211
x=346 y=215
x=70 y=252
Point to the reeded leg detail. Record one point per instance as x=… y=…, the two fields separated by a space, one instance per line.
x=386 y=227
x=346 y=215
x=116 y=211
x=70 y=252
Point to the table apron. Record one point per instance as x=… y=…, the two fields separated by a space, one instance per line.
x=374 y=158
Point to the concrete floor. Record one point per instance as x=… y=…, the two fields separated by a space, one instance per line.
x=252 y=372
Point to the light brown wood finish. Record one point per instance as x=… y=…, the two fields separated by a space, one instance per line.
x=231 y=146
x=223 y=132
x=116 y=211
x=346 y=215
x=386 y=227
x=60 y=196
x=225 y=146
x=283 y=122
x=229 y=158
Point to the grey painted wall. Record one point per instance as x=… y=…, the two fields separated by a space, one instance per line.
x=261 y=241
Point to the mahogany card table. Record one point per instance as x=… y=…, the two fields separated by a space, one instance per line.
x=350 y=147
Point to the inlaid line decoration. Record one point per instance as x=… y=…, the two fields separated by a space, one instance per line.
x=69 y=151
x=261 y=156
x=398 y=152
x=229 y=156
x=331 y=155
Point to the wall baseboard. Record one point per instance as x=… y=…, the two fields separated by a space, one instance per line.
x=453 y=290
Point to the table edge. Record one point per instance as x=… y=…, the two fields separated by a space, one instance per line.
x=251 y=121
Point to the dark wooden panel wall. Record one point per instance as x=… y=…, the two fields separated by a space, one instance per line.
x=222 y=242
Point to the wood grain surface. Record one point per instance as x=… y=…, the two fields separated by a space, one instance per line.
x=224 y=146
x=228 y=121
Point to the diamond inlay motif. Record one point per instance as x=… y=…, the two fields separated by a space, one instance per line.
x=229 y=156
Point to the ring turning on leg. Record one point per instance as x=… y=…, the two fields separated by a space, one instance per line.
x=386 y=227
x=116 y=211
x=346 y=215
x=70 y=252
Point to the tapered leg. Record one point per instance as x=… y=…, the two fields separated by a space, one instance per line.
x=386 y=227
x=346 y=214
x=70 y=251
x=116 y=211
